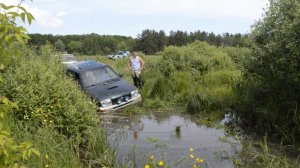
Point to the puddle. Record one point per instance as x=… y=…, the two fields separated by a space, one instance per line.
x=136 y=139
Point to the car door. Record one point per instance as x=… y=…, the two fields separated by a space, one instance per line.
x=75 y=76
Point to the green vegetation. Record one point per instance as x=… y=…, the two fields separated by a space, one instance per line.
x=149 y=41
x=262 y=155
x=53 y=114
x=198 y=76
x=269 y=95
x=45 y=121
x=13 y=153
x=90 y=44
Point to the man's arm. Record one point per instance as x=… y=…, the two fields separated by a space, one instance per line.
x=142 y=63
x=129 y=64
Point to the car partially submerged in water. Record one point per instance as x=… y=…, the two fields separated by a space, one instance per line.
x=103 y=84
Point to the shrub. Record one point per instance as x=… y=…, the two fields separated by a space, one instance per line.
x=54 y=114
x=198 y=75
x=271 y=82
x=47 y=97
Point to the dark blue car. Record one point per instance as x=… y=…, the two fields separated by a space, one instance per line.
x=104 y=85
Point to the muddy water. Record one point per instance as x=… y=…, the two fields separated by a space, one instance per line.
x=137 y=138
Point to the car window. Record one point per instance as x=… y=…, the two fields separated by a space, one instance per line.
x=73 y=74
x=96 y=76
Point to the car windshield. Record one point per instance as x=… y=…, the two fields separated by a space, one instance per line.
x=96 y=76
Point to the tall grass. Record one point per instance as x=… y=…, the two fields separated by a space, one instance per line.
x=198 y=76
x=263 y=155
x=54 y=114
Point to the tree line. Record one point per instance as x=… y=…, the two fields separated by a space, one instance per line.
x=89 y=44
x=149 y=41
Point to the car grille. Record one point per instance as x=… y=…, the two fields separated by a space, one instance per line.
x=119 y=100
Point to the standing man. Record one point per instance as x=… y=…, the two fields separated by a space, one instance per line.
x=136 y=64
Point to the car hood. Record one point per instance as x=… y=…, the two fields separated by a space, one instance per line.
x=111 y=90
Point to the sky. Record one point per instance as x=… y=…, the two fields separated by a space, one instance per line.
x=131 y=17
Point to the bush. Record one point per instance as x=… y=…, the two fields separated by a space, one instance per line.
x=54 y=114
x=271 y=82
x=47 y=97
x=198 y=75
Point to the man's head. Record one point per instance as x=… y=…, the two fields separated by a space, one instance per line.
x=134 y=54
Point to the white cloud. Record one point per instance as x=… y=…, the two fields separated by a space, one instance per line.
x=61 y=13
x=46 y=19
x=10 y=2
x=43 y=17
x=52 y=14
x=205 y=8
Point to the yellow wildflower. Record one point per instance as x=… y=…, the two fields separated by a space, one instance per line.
x=161 y=163
x=46 y=156
x=191 y=149
x=194 y=166
x=151 y=157
x=192 y=156
x=199 y=160
x=46 y=166
x=147 y=166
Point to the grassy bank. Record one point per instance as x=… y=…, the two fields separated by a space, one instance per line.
x=53 y=114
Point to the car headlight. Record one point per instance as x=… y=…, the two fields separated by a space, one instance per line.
x=106 y=103
x=134 y=93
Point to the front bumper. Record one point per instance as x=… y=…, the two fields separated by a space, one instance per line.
x=111 y=108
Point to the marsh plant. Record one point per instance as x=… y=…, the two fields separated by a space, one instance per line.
x=198 y=76
x=178 y=131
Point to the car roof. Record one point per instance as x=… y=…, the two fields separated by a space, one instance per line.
x=81 y=66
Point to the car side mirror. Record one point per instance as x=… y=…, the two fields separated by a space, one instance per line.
x=121 y=75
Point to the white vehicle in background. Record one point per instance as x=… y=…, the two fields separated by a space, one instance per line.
x=68 y=59
x=118 y=55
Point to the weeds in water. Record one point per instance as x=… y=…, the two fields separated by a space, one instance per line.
x=262 y=156
x=178 y=131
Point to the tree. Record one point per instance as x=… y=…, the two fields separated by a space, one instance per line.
x=275 y=70
x=75 y=46
x=59 y=45
x=147 y=42
x=161 y=41
x=12 y=37
x=178 y=38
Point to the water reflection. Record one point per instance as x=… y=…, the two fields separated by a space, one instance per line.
x=167 y=137
x=135 y=128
